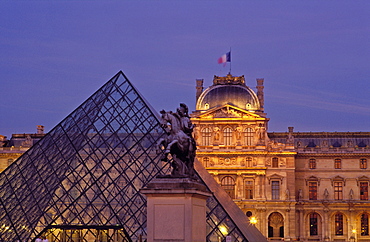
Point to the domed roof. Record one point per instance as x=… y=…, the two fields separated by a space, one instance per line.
x=228 y=90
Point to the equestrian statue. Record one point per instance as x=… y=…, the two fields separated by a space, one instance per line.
x=179 y=142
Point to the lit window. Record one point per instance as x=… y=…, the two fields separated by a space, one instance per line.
x=338 y=224
x=363 y=164
x=206 y=106
x=364 y=224
x=275 y=162
x=313 y=224
x=228 y=184
x=249 y=136
x=338 y=164
x=338 y=190
x=312 y=190
x=275 y=190
x=228 y=133
x=249 y=190
x=364 y=188
x=312 y=163
x=206 y=136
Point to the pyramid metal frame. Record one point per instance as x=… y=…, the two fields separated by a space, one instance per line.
x=81 y=181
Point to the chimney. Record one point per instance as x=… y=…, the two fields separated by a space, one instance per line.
x=40 y=129
x=199 y=88
x=260 y=95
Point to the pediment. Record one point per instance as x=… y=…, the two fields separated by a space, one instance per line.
x=228 y=111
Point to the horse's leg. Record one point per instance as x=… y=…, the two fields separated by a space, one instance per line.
x=168 y=148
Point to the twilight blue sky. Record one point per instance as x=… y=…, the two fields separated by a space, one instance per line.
x=314 y=56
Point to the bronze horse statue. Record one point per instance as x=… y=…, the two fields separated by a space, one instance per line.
x=179 y=143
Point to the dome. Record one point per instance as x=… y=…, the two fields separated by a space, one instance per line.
x=228 y=90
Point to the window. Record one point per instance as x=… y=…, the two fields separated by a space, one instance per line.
x=249 y=190
x=363 y=164
x=312 y=193
x=312 y=163
x=249 y=136
x=228 y=133
x=206 y=136
x=364 y=224
x=338 y=224
x=275 y=190
x=206 y=106
x=275 y=162
x=248 y=161
x=364 y=188
x=313 y=224
x=206 y=162
x=228 y=184
x=338 y=190
x=338 y=164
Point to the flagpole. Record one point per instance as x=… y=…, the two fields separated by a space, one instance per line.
x=230 y=62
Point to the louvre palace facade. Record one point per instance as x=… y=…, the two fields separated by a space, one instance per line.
x=294 y=186
x=310 y=186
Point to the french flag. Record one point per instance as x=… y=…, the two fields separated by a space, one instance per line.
x=225 y=58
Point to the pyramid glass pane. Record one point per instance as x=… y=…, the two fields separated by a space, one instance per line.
x=81 y=181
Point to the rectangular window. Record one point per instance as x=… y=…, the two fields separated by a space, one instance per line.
x=363 y=164
x=249 y=190
x=275 y=190
x=206 y=137
x=364 y=188
x=312 y=190
x=312 y=164
x=338 y=164
x=228 y=134
x=275 y=162
x=338 y=191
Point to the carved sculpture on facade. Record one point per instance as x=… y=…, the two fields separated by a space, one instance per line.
x=179 y=141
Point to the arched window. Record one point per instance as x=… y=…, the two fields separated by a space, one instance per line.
x=228 y=133
x=314 y=220
x=206 y=106
x=206 y=136
x=276 y=225
x=275 y=162
x=363 y=164
x=338 y=224
x=228 y=184
x=249 y=137
x=364 y=224
x=312 y=163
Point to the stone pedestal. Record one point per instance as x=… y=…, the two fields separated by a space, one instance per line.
x=176 y=210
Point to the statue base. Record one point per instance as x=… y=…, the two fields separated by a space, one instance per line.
x=176 y=210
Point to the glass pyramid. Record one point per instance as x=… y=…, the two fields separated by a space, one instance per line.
x=81 y=181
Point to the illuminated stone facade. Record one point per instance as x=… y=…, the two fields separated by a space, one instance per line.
x=306 y=186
